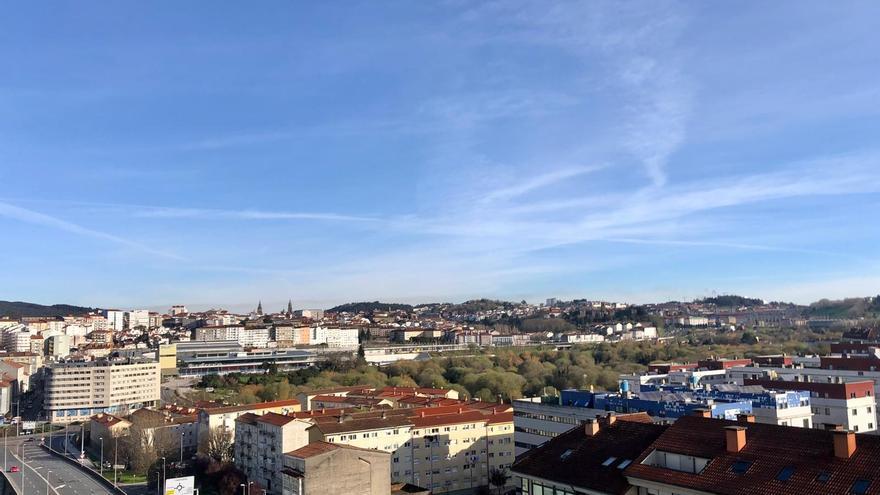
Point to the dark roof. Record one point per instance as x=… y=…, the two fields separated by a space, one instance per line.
x=769 y=449
x=573 y=458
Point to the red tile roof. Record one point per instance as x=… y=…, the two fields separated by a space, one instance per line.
x=252 y=407
x=576 y=459
x=769 y=449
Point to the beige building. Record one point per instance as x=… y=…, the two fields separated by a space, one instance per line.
x=77 y=390
x=168 y=359
x=224 y=417
x=260 y=444
x=107 y=426
x=445 y=449
x=320 y=468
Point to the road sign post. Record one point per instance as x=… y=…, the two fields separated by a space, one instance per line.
x=180 y=486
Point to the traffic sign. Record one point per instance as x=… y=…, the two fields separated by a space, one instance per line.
x=180 y=486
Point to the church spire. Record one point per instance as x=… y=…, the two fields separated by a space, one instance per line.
x=289 y=307
x=260 y=308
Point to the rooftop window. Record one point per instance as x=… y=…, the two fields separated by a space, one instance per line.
x=740 y=467
x=624 y=464
x=823 y=477
x=565 y=454
x=785 y=473
x=609 y=461
x=860 y=487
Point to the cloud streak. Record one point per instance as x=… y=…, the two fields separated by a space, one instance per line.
x=36 y=218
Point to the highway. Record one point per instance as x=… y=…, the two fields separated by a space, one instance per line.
x=42 y=472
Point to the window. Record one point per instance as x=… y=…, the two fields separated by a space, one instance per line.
x=565 y=455
x=823 y=477
x=785 y=473
x=740 y=467
x=860 y=487
x=624 y=464
x=609 y=461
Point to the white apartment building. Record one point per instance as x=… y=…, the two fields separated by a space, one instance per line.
x=116 y=320
x=851 y=405
x=260 y=445
x=536 y=422
x=77 y=390
x=829 y=412
x=341 y=337
x=58 y=346
x=17 y=339
x=246 y=337
x=139 y=318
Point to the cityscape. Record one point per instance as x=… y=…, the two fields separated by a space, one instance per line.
x=445 y=247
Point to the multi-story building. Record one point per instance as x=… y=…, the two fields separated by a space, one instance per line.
x=223 y=418
x=116 y=320
x=444 y=448
x=77 y=390
x=260 y=444
x=17 y=339
x=536 y=422
x=58 y=346
x=320 y=468
x=851 y=405
x=245 y=336
x=139 y=318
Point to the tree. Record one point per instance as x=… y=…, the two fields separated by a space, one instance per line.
x=498 y=478
x=218 y=444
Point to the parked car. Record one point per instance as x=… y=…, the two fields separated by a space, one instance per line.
x=14 y=469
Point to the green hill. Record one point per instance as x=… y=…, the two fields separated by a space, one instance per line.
x=368 y=307
x=17 y=309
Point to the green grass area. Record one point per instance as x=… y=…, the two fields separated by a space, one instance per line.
x=125 y=476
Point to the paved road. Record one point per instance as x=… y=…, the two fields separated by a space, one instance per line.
x=38 y=465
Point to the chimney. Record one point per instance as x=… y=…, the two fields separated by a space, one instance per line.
x=421 y=414
x=745 y=418
x=611 y=418
x=844 y=443
x=591 y=427
x=736 y=438
x=702 y=413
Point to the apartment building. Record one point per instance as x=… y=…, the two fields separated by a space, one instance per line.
x=77 y=390
x=260 y=444
x=257 y=337
x=851 y=405
x=224 y=417
x=806 y=375
x=320 y=468
x=445 y=449
x=536 y=422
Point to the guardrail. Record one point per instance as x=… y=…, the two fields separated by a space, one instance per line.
x=91 y=472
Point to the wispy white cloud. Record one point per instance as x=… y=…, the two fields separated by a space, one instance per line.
x=219 y=214
x=538 y=182
x=36 y=218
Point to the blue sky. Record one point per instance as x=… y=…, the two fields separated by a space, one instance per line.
x=217 y=153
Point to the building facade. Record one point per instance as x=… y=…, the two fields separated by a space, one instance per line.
x=75 y=391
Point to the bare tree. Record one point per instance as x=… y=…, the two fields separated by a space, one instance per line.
x=149 y=438
x=218 y=444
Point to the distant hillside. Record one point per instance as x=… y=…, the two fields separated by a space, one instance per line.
x=367 y=307
x=18 y=309
x=857 y=307
x=731 y=301
x=476 y=305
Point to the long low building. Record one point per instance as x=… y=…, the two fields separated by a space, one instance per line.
x=77 y=390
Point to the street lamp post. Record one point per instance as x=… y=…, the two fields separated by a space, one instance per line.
x=115 y=458
x=47 y=481
x=163 y=471
x=101 y=467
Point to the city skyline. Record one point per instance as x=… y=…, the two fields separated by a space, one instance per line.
x=219 y=154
